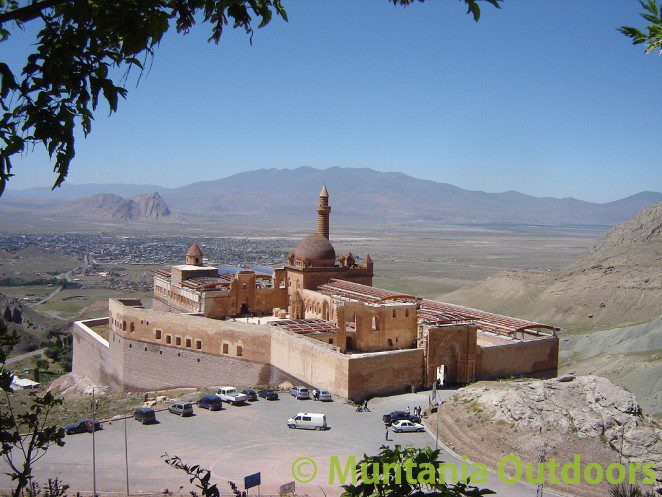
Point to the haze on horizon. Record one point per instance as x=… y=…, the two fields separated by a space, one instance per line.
x=561 y=107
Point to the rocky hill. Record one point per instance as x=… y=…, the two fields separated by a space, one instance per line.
x=644 y=227
x=585 y=415
x=143 y=207
x=358 y=196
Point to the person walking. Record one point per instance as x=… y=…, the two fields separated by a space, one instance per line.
x=386 y=434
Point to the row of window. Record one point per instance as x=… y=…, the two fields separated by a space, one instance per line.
x=175 y=296
x=188 y=343
x=122 y=325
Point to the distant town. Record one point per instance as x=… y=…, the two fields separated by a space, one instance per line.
x=107 y=248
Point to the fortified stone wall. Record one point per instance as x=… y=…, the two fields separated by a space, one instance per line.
x=148 y=366
x=384 y=373
x=312 y=361
x=91 y=351
x=150 y=350
x=536 y=358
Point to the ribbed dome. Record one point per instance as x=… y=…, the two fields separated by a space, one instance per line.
x=317 y=249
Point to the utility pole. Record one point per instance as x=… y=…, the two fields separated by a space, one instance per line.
x=94 y=430
x=94 y=460
x=126 y=456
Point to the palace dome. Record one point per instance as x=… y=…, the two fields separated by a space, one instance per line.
x=317 y=249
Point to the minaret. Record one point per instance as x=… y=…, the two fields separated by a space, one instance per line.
x=323 y=210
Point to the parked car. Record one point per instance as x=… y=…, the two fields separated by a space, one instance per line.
x=211 y=402
x=250 y=394
x=323 y=395
x=84 y=426
x=231 y=396
x=404 y=425
x=308 y=421
x=182 y=409
x=391 y=417
x=268 y=394
x=145 y=415
x=300 y=393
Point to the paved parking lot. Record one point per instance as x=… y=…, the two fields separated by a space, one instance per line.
x=233 y=443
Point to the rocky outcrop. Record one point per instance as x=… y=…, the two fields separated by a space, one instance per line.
x=144 y=207
x=585 y=406
x=149 y=206
x=644 y=227
x=73 y=385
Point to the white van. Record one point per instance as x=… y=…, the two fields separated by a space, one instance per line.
x=308 y=421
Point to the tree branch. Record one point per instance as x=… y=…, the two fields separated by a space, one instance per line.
x=29 y=12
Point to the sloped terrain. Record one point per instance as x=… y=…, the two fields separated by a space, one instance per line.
x=618 y=282
x=629 y=356
x=644 y=227
x=619 y=285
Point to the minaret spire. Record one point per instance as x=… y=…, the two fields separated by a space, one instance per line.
x=323 y=210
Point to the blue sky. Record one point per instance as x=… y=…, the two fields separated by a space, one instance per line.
x=546 y=98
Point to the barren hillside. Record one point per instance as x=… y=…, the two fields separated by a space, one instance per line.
x=618 y=282
x=630 y=357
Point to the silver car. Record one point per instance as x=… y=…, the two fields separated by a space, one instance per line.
x=323 y=395
x=182 y=409
x=300 y=393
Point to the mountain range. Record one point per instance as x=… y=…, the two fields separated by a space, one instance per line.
x=358 y=196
